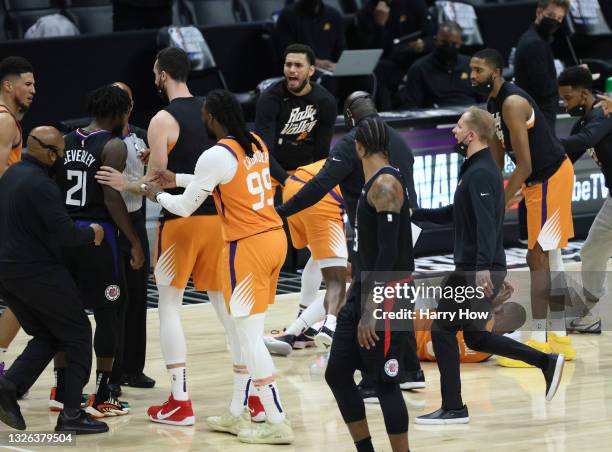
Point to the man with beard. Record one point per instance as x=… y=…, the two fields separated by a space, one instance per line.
x=442 y=77
x=534 y=64
x=295 y=117
x=16 y=94
x=545 y=177
x=185 y=247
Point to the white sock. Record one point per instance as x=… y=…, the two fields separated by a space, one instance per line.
x=557 y=320
x=172 y=338
x=315 y=312
x=539 y=330
x=297 y=327
x=2 y=352
x=178 y=382
x=270 y=399
x=311 y=282
x=239 y=395
x=330 y=322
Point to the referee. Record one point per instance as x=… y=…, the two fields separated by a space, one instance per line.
x=477 y=215
x=36 y=286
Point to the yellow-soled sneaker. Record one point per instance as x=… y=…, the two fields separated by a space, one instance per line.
x=544 y=347
x=267 y=433
x=562 y=345
x=229 y=423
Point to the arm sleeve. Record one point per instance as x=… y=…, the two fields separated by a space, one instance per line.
x=182 y=180
x=443 y=215
x=325 y=128
x=590 y=136
x=265 y=120
x=482 y=196
x=49 y=206
x=337 y=167
x=215 y=166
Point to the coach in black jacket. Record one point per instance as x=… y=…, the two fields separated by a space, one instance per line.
x=34 y=225
x=477 y=215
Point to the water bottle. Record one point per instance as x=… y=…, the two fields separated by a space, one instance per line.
x=609 y=87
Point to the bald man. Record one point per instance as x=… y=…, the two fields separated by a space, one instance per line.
x=16 y=96
x=130 y=359
x=34 y=225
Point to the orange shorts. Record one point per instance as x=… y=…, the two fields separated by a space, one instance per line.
x=320 y=227
x=250 y=269
x=187 y=247
x=549 y=209
x=424 y=345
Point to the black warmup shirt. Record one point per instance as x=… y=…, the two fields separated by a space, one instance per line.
x=34 y=224
x=546 y=151
x=76 y=173
x=432 y=82
x=192 y=141
x=534 y=71
x=324 y=31
x=297 y=129
x=366 y=244
x=592 y=131
x=477 y=215
x=343 y=168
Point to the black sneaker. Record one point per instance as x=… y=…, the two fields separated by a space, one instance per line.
x=552 y=374
x=444 y=417
x=306 y=339
x=280 y=345
x=83 y=424
x=413 y=380
x=10 y=413
x=115 y=390
x=138 y=381
x=367 y=394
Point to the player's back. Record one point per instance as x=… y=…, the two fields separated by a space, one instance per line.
x=365 y=242
x=193 y=139
x=16 y=148
x=82 y=194
x=246 y=203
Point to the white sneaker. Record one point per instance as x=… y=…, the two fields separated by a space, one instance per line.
x=229 y=423
x=280 y=345
x=268 y=433
x=587 y=324
x=324 y=338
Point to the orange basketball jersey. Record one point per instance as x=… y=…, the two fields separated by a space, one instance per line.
x=246 y=203
x=15 y=154
x=332 y=203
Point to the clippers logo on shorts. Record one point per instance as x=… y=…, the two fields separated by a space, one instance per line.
x=392 y=367
x=300 y=122
x=112 y=292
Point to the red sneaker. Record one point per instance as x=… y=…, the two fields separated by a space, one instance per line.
x=173 y=412
x=256 y=409
x=54 y=404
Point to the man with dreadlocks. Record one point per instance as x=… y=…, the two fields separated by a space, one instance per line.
x=383 y=243
x=96 y=270
x=237 y=171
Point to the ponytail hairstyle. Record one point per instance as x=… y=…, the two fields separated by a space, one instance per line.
x=226 y=110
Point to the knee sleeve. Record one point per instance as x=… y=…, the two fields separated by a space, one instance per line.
x=393 y=407
x=106 y=335
x=218 y=302
x=171 y=333
x=311 y=281
x=254 y=352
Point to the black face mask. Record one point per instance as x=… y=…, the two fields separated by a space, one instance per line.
x=577 y=111
x=461 y=148
x=484 y=88
x=446 y=54
x=547 y=27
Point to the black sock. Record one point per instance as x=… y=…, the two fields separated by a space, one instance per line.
x=60 y=382
x=102 y=391
x=365 y=445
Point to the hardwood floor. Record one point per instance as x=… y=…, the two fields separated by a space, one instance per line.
x=507 y=406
